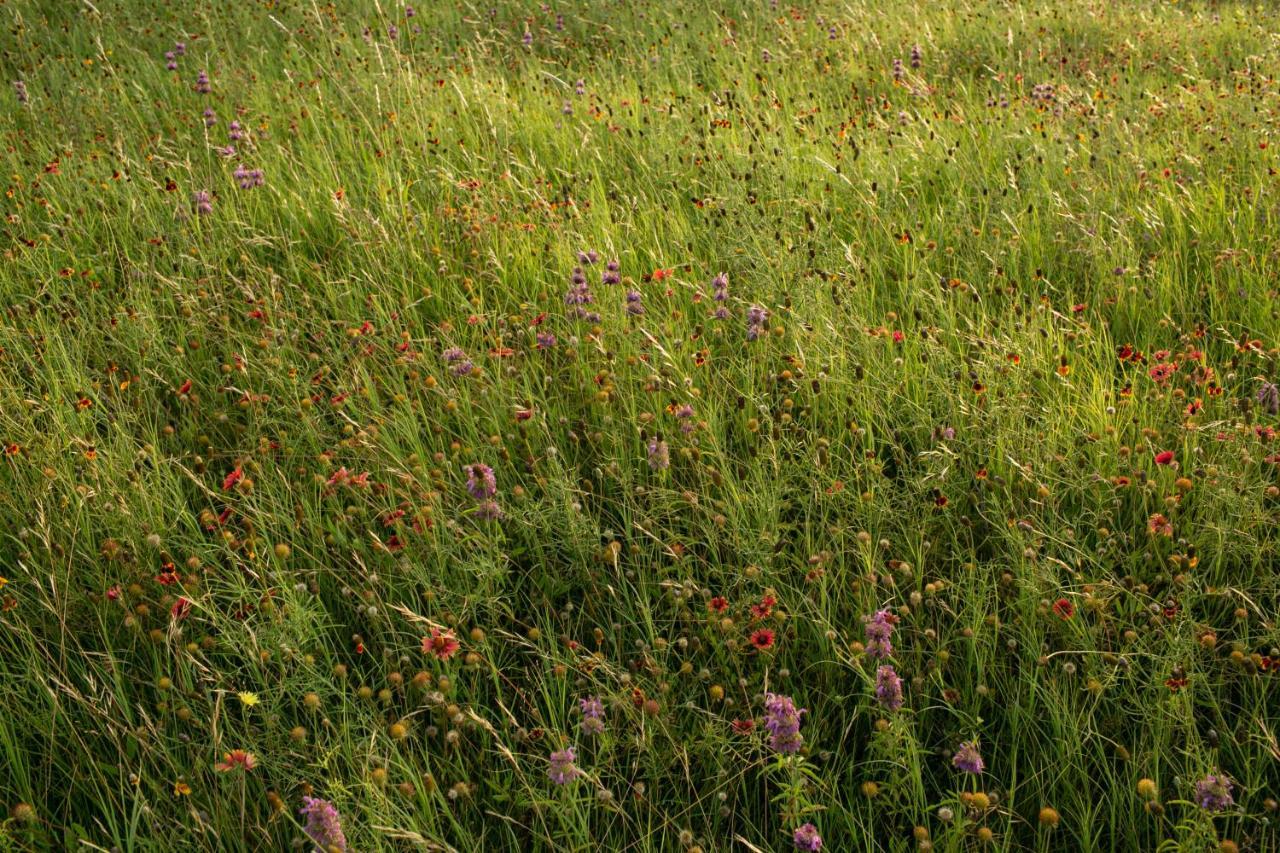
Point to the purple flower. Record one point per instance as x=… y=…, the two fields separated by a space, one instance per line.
x=527 y=39
x=203 y=202
x=634 y=308
x=806 y=838
x=248 y=178
x=782 y=720
x=323 y=825
x=592 y=715
x=586 y=258
x=235 y=132
x=489 y=511
x=202 y=83
x=659 y=455
x=1213 y=793
x=545 y=340
x=579 y=291
x=1269 y=398
x=180 y=48
x=172 y=63
x=210 y=117
x=898 y=71
x=756 y=317
x=20 y=91
x=916 y=56
x=888 y=688
x=580 y=87
x=610 y=275
x=481 y=484
x=393 y=32
x=967 y=758
x=879 y=628
x=453 y=355
x=408 y=12
x=562 y=770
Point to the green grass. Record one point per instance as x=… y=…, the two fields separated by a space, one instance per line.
x=937 y=418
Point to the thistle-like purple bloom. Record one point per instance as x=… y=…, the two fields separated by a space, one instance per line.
x=756 y=317
x=248 y=178
x=806 y=838
x=180 y=48
x=967 y=758
x=888 y=688
x=544 y=340
x=20 y=91
x=234 y=131
x=481 y=483
x=592 y=715
x=203 y=202
x=917 y=56
x=203 y=86
x=562 y=770
x=1213 y=793
x=527 y=39
x=634 y=308
x=323 y=825
x=659 y=455
x=610 y=275
x=588 y=258
x=210 y=117
x=782 y=720
x=879 y=628
x=1268 y=398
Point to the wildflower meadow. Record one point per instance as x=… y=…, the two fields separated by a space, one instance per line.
x=640 y=425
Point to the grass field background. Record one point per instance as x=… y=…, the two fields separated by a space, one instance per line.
x=766 y=318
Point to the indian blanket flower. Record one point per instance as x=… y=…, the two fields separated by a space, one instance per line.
x=562 y=770
x=967 y=758
x=806 y=838
x=888 y=688
x=481 y=483
x=879 y=628
x=236 y=759
x=1213 y=793
x=323 y=825
x=782 y=720
x=592 y=715
x=441 y=644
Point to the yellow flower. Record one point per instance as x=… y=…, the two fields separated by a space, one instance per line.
x=249 y=699
x=181 y=789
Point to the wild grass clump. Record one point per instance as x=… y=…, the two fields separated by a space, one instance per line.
x=652 y=426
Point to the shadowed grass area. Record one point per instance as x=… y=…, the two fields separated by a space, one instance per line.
x=915 y=363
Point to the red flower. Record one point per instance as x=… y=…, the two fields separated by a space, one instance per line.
x=441 y=644
x=718 y=604
x=1164 y=457
x=744 y=727
x=234 y=477
x=1064 y=608
x=237 y=759
x=180 y=609
x=185 y=387
x=762 y=639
